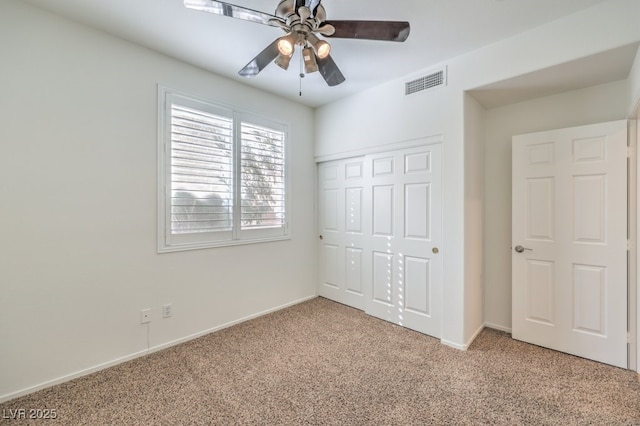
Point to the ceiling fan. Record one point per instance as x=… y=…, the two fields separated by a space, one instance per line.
x=303 y=21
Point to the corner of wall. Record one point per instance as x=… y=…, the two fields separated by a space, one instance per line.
x=474 y=152
x=634 y=87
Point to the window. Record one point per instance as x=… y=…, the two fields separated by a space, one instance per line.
x=222 y=175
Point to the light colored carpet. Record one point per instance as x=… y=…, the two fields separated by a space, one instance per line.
x=322 y=363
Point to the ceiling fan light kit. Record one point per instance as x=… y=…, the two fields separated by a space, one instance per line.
x=321 y=47
x=283 y=61
x=302 y=20
x=309 y=58
x=286 y=44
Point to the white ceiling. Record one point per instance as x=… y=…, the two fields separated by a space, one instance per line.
x=440 y=29
x=612 y=65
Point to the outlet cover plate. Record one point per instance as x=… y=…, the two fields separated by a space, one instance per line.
x=145 y=316
x=166 y=310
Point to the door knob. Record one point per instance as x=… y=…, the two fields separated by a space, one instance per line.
x=321 y=237
x=521 y=249
x=435 y=250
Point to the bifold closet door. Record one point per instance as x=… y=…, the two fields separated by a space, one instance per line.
x=403 y=273
x=380 y=235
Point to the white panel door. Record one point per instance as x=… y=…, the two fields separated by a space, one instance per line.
x=341 y=231
x=403 y=267
x=569 y=258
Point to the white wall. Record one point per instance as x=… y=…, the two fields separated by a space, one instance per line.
x=634 y=86
x=587 y=106
x=634 y=113
x=474 y=193
x=78 y=119
x=636 y=125
x=383 y=115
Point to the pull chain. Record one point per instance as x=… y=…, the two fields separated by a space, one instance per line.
x=301 y=75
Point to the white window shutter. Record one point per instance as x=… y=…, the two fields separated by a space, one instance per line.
x=201 y=171
x=222 y=175
x=263 y=190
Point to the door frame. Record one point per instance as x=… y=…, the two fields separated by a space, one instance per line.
x=633 y=132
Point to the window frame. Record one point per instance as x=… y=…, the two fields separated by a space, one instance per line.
x=170 y=242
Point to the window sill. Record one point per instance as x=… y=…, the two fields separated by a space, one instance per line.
x=218 y=244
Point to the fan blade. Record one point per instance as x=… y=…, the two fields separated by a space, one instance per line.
x=318 y=11
x=261 y=61
x=233 y=11
x=371 y=30
x=330 y=71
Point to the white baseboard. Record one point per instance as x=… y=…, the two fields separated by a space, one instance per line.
x=476 y=334
x=90 y=370
x=453 y=345
x=497 y=327
x=465 y=346
x=227 y=325
x=69 y=377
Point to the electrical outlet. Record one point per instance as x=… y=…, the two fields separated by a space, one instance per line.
x=145 y=316
x=166 y=310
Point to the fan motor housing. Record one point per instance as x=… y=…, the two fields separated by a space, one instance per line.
x=285 y=8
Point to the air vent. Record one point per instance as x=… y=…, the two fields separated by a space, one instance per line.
x=430 y=81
